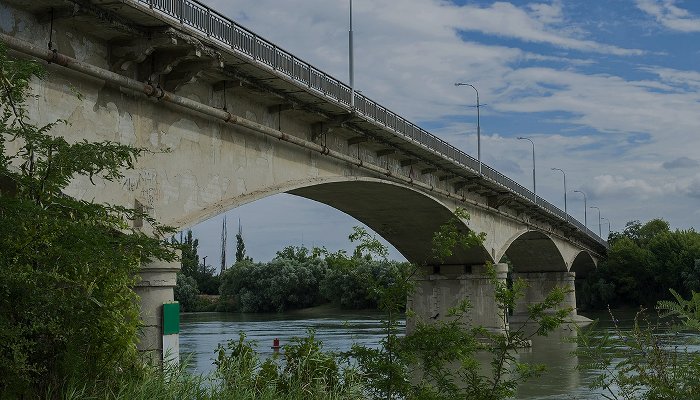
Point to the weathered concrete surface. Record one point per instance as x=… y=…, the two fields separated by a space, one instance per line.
x=539 y=285
x=200 y=167
x=438 y=291
x=158 y=279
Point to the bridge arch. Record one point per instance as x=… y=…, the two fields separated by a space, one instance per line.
x=533 y=251
x=583 y=264
x=404 y=216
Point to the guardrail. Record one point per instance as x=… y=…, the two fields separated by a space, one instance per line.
x=227 y=32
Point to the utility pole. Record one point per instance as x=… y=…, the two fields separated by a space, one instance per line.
x=351 y=62
x=223 y=245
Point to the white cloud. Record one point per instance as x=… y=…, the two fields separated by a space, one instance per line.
x=543 y=24
x=668 y=14
x=617 y=185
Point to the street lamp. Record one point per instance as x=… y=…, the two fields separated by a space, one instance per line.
x=478 y=123
x=351 y=62
x=564 y=173
x=608 y=221
x=534 y=182
x=599 y=228
x=585 y=207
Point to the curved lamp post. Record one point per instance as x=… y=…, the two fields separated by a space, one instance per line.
x=585 y=208
x=478 y=123
x=351 y=65
x=534 y=181
x=608 y=222
x=563 y=173
x=599 y=224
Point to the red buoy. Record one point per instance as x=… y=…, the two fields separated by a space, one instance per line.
x=276 y=345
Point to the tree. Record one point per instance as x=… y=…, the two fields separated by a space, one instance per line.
x=644 y=262
x=186 y=292
x=206 y=280
x=67 y=266
x=190 y=258
x=240 y=247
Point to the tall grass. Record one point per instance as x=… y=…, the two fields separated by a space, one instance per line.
x=304 y=372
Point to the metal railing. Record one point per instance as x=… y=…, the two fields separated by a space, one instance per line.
x=227 y=32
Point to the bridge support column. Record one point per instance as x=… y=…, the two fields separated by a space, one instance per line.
x=441 y=288
x=539 y=284
x=158 y=279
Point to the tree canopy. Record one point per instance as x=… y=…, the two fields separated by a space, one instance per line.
x=644 y=262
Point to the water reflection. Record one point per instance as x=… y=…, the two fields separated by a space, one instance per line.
x=202 y=332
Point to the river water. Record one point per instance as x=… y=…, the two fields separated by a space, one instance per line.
x=200 y=333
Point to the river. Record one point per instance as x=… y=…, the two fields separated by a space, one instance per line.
x=202 y=332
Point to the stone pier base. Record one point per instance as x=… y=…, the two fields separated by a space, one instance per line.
x=158 y=279
x=539 y=284
x=440 y=288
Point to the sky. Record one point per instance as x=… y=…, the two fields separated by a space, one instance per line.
x=608 y=90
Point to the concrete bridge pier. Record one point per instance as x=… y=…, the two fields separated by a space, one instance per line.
x=443 y=287
x=158 y=278
x=539 y=284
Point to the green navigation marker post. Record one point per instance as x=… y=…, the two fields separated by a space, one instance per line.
x=171 y=332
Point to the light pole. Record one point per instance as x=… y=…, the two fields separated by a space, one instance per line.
x=534 y=181
x=478 y=123
x=564 y=173
x=585 y=208
x=608 y=221
x=600 y=233
x=351 y=62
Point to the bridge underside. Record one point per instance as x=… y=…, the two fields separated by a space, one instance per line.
x=404 y=217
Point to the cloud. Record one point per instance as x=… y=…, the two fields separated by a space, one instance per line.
x=669 y=15
x=681 y=162
x=678 y=78
x=612 y=185
x=539 y=23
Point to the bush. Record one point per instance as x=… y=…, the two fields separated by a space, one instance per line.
x=282 y=284
x=186 y=292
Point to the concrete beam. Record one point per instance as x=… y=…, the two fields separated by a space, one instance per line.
x=357 y=140
x=500 y=199
x=385 y=152
x=428 y=171
x=447 y=177
x=137 y=51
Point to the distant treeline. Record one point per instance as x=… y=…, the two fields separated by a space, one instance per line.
x=297 y=277
x=643 y=263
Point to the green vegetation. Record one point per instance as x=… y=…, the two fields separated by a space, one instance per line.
x=282 y=284
x=644 y=262
x=642 y=363
x=298 y=277
x=194 y=278
x=67 y=266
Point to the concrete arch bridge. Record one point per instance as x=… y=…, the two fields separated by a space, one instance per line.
x=244 y=119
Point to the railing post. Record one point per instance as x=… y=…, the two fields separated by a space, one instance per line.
x=208 y=22
x=181 y=3
x=274 y=57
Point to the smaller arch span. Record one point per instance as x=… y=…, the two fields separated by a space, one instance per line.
x=583 y=264
x=534 y=251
